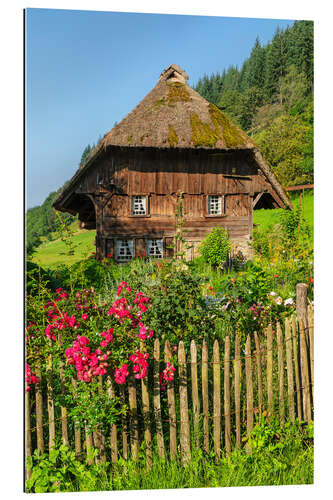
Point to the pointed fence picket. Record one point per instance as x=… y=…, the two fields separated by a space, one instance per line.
x=217 y=393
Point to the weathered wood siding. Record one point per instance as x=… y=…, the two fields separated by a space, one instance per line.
x=161 y=176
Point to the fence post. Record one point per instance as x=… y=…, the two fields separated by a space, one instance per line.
x=291 y=404
x=183 y=400
x=27 y=431
x=100 y=430
x=217 y=398
x=146 y=415
x=157 y=400
x=270 y=369
x=302 y=307
x=77 y=431
x=237 y=368
x=259 y=373
x=311 y=338
x=280 y=372
x=227 y=423
x=204 y=384
x=172 y=406
x=113 y=434
x=305 y=374
x=64 y=428
x=89 y=445
x=123 y=422
x=195 y=392
x=134 y=431
x=249 y=389
x=297 y=370
x=39 y=410
x=50 y=403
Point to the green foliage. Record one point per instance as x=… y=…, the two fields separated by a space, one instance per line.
x=216 y=246
x=36 y=274
x=280 y=455
x=60 y=470
x=270 y=436
x=179 y=310
x=293 y=88
x=89 y=407
x=282 y=144
x=85 y=155
x=41 y=222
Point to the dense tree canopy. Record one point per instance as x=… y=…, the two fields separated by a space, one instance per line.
x=271 y=98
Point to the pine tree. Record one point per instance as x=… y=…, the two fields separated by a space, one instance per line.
x=256 y=64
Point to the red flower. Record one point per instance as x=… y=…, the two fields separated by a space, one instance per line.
x=276 y=276
x=311 y=280
x=109 y=256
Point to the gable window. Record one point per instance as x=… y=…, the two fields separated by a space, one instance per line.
x=124 y=250
x=155 y=248
x=214 y=204
x=139 y=205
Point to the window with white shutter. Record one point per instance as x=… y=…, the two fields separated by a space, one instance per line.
x=139 y=205
x=215 y=204
x=155 y=248
x=125 y=250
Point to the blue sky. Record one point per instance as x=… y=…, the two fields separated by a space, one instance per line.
x=85 y=70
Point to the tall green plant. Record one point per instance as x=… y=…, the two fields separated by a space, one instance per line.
x=216 y=246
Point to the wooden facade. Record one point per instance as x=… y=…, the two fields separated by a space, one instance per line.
x=102 y=192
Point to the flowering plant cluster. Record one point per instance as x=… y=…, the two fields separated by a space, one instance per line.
x=87 y=363
x=257 y=309
x=98 y=338
x=30 y=377
x=167 y=375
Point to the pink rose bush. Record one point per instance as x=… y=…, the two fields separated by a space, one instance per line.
x=97 y=338
x=30 y=377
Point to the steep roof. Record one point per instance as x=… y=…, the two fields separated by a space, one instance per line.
x=174 y=115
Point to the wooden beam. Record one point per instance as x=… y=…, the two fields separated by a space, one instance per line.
x=299 y=188
x=257 y=198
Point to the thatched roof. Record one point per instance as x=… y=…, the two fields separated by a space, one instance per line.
x=174 y=115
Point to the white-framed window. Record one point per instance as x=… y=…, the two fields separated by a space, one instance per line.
x=214 y=204
x=139 y=205
x=124 y=250
x=155 y=248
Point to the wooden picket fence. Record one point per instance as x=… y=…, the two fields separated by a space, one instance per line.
x=218 y=393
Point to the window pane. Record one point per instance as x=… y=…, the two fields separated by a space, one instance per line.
x=155 y=248
x=214 y=204
x=138 y=205
x=124 y=250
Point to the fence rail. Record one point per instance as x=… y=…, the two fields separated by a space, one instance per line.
x=217 y=394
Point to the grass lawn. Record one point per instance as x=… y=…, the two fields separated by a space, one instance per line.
x=50 y=254
x=265 y=218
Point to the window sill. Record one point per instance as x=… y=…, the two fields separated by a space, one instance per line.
x=140 y=216
x=214 y=215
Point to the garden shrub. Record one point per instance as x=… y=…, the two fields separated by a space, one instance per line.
x=35 y=274
x=216 y=246
x=179 y=309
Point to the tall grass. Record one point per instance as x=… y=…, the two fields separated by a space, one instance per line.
x=288 y=461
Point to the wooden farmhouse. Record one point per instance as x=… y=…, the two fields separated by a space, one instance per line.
x=174 y=141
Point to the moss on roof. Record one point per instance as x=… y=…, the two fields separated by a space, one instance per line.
x=172 y=102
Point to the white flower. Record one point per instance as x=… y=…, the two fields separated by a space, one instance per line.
x=289 y=302
x=278 y=301
x=272 y=294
